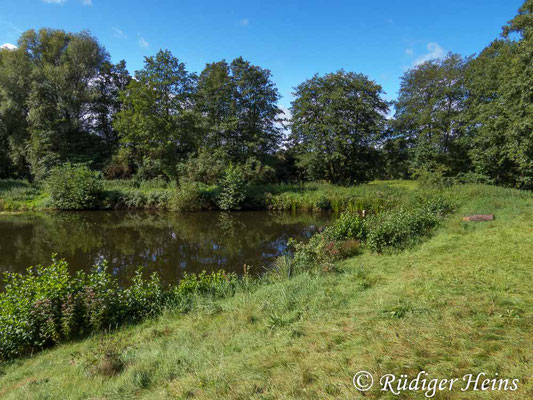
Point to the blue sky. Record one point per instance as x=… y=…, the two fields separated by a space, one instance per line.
x=294 y=39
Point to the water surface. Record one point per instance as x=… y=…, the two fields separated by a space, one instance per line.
x=169 y=243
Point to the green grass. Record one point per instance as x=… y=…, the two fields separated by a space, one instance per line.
x=459 y=303
x=18 y=195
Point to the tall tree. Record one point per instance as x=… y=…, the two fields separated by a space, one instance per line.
x=238 y=102
x=15 y=87
x=48 y=90
x=336 y=122
x=428 y=114
x=111 y=81
x=65 y=66
x=500 y=105
x=156 y=122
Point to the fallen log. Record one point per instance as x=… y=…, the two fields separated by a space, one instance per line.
x=479 y=217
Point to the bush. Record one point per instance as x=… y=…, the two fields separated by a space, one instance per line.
x=257 y=173
x=193 y=196
x=436 y=177
x=323 y=204
x=323 y=252
x=399 y=229
x=74 y=187
x=233 y=189
x=208 y=167
x=47 y=305
x=348 y=226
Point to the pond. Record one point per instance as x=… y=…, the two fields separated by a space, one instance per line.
x=169 y=243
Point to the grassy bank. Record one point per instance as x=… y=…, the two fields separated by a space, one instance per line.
x=16 y=195
x=458 y=303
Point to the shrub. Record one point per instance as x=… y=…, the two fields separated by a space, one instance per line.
x=398 y=229
x=436 y=177
x=348 y=226
x=257 y=173
x=233 y=188
x=74 y=187
x=323 y=252
x=48 y=305
x=193 y=196
x=120 y=166
x=207 y=167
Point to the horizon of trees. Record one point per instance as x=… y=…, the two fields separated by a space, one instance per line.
x=63 y=100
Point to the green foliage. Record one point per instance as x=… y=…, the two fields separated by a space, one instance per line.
x=349 y=225
x=192 y=196
x=336 y=120
x=257 y=173
x=74 y=187
x=62 y=100
x=207 y=167
x=394 y=229
x=399 y=229
x=20 y=195
x=499 y=113
x=156 y=118
x=232 y=189
x=48 y=111
x=217 y=284
x=429 y=114
x=238 y=113
x=432 y=178
x=48 y=305
x=466 y=276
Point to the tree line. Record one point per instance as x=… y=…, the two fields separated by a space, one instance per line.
x=63 y=100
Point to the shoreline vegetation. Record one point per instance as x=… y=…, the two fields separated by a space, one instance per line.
x=436 y=285
x=17 y=195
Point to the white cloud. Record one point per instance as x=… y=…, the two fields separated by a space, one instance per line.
x=245 y=22
x=409 y=52
x=119 y=33
x=434 y=51
x=143 y=43
x=8 y=46
x=55 y=1
x=87 y=2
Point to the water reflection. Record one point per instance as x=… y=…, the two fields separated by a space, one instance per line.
x=169 y=243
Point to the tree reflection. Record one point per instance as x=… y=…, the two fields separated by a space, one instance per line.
x=169 y=243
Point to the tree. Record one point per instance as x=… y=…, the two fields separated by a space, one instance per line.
x=64 y=68
x=500 y=105
x=112 y=80
x=49 y=86
x=156 y=122
x=15 y=86
x=336 y=121
x=428 y=115
x=238 y=104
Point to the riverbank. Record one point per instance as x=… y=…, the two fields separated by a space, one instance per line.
x=17 y=195
x=458 y=303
